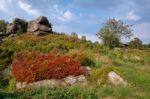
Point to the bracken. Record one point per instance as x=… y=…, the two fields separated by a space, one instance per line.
x=34 y=66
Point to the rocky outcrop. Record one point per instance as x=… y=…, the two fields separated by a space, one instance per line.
x=39 y=26
x=17 y=24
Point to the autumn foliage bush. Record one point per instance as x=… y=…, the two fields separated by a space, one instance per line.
x=35 y=66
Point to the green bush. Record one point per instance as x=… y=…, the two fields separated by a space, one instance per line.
x=85 y=57
x=104 y=51
x=100 y=74
x=117 y=62
x=5 y=57
x=12 y=84
x=20 y=31
x=86 y=61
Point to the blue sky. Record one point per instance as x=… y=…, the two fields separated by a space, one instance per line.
x=84 y=17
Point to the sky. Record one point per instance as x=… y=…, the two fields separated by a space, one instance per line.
x=85 y=17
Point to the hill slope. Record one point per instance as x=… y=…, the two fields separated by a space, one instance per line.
x=133 y=65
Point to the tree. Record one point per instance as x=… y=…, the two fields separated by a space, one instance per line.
x=3 y=25
x=112 y=31
x=136 y=43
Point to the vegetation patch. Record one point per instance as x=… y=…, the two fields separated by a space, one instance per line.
x=35 y=66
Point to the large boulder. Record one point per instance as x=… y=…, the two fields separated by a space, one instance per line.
x=40 y=25
x=17 y=24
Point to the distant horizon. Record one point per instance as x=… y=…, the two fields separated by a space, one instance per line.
x=82 y=16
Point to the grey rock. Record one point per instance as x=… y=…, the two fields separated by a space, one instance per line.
x=135 y=58
x=17 y=24
x=116 y=79
x=39 y=24
x=86 y=70
x=45 y=83
x=12 y=35
x=70 y=80
x=81 y=79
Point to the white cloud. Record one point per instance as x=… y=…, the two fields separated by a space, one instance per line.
x=68 y=15
x=91 y=37
x=142 y=31
x=4 y=4
x=28 y=9
x=132 y=16
x=65 y=16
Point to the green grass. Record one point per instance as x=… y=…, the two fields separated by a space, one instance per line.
x=73 y=92
x=138 y=77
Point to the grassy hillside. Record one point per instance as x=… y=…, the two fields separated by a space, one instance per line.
x=133 y=65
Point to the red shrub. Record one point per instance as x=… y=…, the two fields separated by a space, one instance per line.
x=30 y=67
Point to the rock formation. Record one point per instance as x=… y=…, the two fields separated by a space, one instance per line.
x=17 y=24
x=40 y=26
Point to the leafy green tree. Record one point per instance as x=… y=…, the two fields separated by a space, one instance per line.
x=136 y=43
x=112 y=31
x=3 y=25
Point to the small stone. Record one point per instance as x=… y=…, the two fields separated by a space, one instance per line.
x=116 y=79
x=86 y=70
x=12 y=35
x=135 y=58
x=18 y=85
x=70 y=80
x=81 y=79
x=46 y=83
